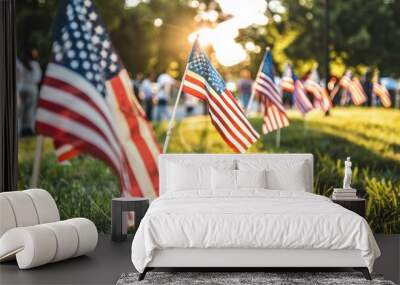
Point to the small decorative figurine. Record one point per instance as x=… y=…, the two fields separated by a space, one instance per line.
x=347 y=174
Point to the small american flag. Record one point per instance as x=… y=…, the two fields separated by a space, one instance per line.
x=321 y=97
x=203 y=81
x=87 y=105
x=380 y=90
x=287 y=83
x=357 y=92
x=300 y=98
x=274 y=112
x=345 y=81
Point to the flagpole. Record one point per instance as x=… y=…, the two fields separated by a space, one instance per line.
x=305 y=124
x=248 y=107
x=36 y=162
x=278 y=138
x=172 y=120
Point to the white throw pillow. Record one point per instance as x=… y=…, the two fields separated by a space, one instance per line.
x=281 y=174
x=223 y=179
x=183 y=177
x=251 y=178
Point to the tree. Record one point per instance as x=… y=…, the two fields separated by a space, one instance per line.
x=362 y=32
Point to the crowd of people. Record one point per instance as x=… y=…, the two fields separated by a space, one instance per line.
x=153 y=92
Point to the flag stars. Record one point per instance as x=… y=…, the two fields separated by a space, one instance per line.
x=67 y=44
x=95 y=40
x=93 y=16
x=58 y=56
x=80 y=44
x=113 y=67
x=65 y=36
x=114 y=57
x=74 y=64
x=99 y=30
x=89 y=75
x=88 y=25
x=73 y=25
x=71 y=54
x=106 y=44
x=83 y=54
x=86 y=65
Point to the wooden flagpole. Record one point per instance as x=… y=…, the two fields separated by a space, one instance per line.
x=248 y=107
x=36 y=162
x=172 y=120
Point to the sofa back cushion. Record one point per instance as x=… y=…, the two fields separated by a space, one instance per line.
x=26 y=208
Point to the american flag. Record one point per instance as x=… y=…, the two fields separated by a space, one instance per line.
x=357 y=92
x=345 y=81
x=274 y=112
x=287 y=83
x=87 y=105
x=380 y=90
x=203 y=81
x=321 y=97
x=300 y=98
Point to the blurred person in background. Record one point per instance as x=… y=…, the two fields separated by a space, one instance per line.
x=165 y=84
x=244 y=86
x=147 y=95
x=30 y=77
x=366 y=81
x=136 y=85
x=190 y=104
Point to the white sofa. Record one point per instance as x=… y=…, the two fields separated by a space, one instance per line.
x=31 y=231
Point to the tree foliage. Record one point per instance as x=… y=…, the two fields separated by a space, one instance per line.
x=363 y=33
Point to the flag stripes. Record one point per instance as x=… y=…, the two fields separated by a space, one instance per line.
x=301 y=100
x=265 y=86
x=225 y=112
x=274 y=112
x=203 y=81
x=358 y=95
x=383 y=94
x=274 y=118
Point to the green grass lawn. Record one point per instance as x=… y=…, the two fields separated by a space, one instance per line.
x=370 y=136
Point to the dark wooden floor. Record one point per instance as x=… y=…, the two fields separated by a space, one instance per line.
x=110 y=260
x=103 y=266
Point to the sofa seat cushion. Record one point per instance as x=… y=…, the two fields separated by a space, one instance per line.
x=40 y=244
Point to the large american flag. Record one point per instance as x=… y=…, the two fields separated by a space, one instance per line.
x=203 y=81
x=313 y=86
x=380 y=90
x=274 y=112
x=87 y=105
